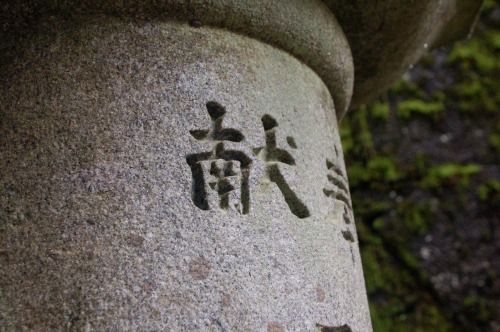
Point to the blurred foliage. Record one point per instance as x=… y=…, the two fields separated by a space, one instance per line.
x=399 y=195
x=444 y=174
x=407 y=107
x=490 y=191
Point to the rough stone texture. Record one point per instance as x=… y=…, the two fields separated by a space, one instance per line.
x=305 y=29
x=387 y=37
x=102 y=123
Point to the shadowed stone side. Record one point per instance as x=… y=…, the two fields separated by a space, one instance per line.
x=387 y=37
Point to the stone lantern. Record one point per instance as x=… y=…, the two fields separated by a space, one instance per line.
x=175 y=165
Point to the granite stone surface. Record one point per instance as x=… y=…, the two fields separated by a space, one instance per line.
x=306 y=29
x=386 y=37
x=166 y=176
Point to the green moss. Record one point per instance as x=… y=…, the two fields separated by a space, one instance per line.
x=476 y=53
x=396 y=305
x=449 y=174
x=490 y=192
x=382 y=169
x=378 y=224
x=417 y=106
x=364 y=135
x=379 y=169
x=439 y=95
x=409 y=259
x=407 y=89
x=380 y=110
x=357 y=174
x=416 y=216
x=489 y=5
x=474 y=94
x=356 y=135
x=493 y=40
x=494 y=139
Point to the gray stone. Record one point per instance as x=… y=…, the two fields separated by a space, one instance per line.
x=162 y=176
x=305 y=29
x=387 y=37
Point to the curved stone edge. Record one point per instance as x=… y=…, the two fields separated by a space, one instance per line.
x=461 y=24
x=306 y=29
x=388 y=37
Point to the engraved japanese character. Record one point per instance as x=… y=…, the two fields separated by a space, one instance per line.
x=338 y=189
x=274 y=157
x=221 y=175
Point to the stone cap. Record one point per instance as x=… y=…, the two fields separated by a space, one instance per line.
x=307 y=29
x=385 y=37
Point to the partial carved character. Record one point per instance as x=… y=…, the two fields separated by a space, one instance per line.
x=274 y=157
x=221 y=175
x=338 y=190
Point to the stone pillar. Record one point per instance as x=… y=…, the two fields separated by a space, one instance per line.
x=176 y=164
x=177 y=171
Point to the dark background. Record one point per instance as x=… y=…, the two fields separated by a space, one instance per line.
x=424 y=167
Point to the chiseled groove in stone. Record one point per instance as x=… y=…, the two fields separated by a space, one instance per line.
x=306 y=29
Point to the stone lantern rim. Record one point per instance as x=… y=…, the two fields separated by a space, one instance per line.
x=307 y=30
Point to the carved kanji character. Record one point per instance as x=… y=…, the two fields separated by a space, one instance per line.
x=338 y=189
x=274 y=157
x=221 y=175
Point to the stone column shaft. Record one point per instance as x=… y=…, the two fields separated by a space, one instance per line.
x=169 y=175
